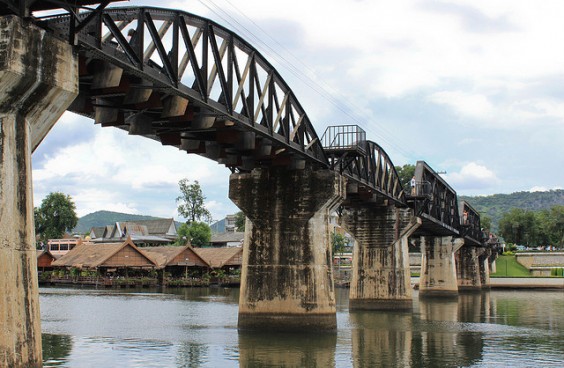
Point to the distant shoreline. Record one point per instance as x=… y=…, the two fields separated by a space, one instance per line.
x=518 y=282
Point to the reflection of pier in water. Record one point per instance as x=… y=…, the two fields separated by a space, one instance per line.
x=447 y=339
x=381 y=339
x=264 y=349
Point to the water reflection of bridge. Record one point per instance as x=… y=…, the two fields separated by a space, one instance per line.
x=188 y=82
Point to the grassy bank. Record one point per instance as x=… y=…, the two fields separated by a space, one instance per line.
x=507 y=266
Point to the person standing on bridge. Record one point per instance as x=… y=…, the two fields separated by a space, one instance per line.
x=413 y=183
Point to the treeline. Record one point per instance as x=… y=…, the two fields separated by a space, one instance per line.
x=533 y=228
x=495 y=206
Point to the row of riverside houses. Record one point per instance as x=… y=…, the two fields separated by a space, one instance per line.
x=124 y=263
x=135 y=249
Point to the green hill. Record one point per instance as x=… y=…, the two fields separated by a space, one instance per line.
x=103 y=218
x=496 y=205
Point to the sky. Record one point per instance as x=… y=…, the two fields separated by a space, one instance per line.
x=473 y=88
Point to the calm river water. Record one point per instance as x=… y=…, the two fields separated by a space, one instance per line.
x=198 y=328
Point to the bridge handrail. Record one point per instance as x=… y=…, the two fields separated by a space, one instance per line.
x=353 y=137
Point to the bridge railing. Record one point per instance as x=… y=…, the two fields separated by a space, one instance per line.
x=343 y=137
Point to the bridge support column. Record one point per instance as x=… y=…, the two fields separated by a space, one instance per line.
x=484 y=263
x=438 y=268
x=287 y=279
x=468 y=269
x=491 y=260
x=381 y=278
x=38 y=80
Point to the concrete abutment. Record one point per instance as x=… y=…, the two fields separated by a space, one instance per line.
x=38 y=81
x=287 y=280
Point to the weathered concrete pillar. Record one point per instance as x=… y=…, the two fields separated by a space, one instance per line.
x=287 y=279
x=484 y=265
x=381 y=276
x=491 y=261
x=438 y=268
x=38 y=80
x=468 y=269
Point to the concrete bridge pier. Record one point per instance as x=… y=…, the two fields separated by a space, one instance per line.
x=38 y=81
x=438 y=268
x=468 y=269
x=491 y=261
x=287 y=279
x=381 y=278
x=484 y=264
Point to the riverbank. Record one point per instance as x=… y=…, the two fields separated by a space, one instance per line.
x=517 y=282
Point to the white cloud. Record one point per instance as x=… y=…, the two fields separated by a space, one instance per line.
x=472 y=176
x=542 y=189
x=116 y=172
x=470 y=104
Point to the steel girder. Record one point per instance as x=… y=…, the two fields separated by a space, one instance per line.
x=229 y=87
x=435 y=202
x=470 y=227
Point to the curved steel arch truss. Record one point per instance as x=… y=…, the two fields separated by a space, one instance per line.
x=374 y=176
x=189 y=82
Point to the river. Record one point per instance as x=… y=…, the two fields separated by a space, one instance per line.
x=197 y=327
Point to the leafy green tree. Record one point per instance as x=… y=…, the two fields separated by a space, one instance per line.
x=541 y=233
x=518 y=226
x=485 y=222
x=240 y=221
x=405 y=174
x=56 y=215
x=183 y=234
x=556 y=225
x=191 y=202
x=198 y=233
x=339 y=242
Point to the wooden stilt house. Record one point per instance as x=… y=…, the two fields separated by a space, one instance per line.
x=114 y=258
x=178 y=261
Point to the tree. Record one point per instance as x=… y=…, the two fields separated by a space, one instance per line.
x=198 y=233
x=405 y=174
x=518 y=226
x=56 y=215
x=556 y=225
x=339 y=242
x=240 y=221
x=182 y=235
x=485 y=222
x=191 y=202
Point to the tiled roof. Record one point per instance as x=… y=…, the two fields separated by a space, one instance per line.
x=157 y=226
x=219 y=257
x=228 y=237
x=174 y=255
x=90 y=255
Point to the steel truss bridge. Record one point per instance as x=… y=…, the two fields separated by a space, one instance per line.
x=188 y=82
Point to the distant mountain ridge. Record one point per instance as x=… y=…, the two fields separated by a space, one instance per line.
x=496 y=205
x=103 y=218
x=493 y=206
